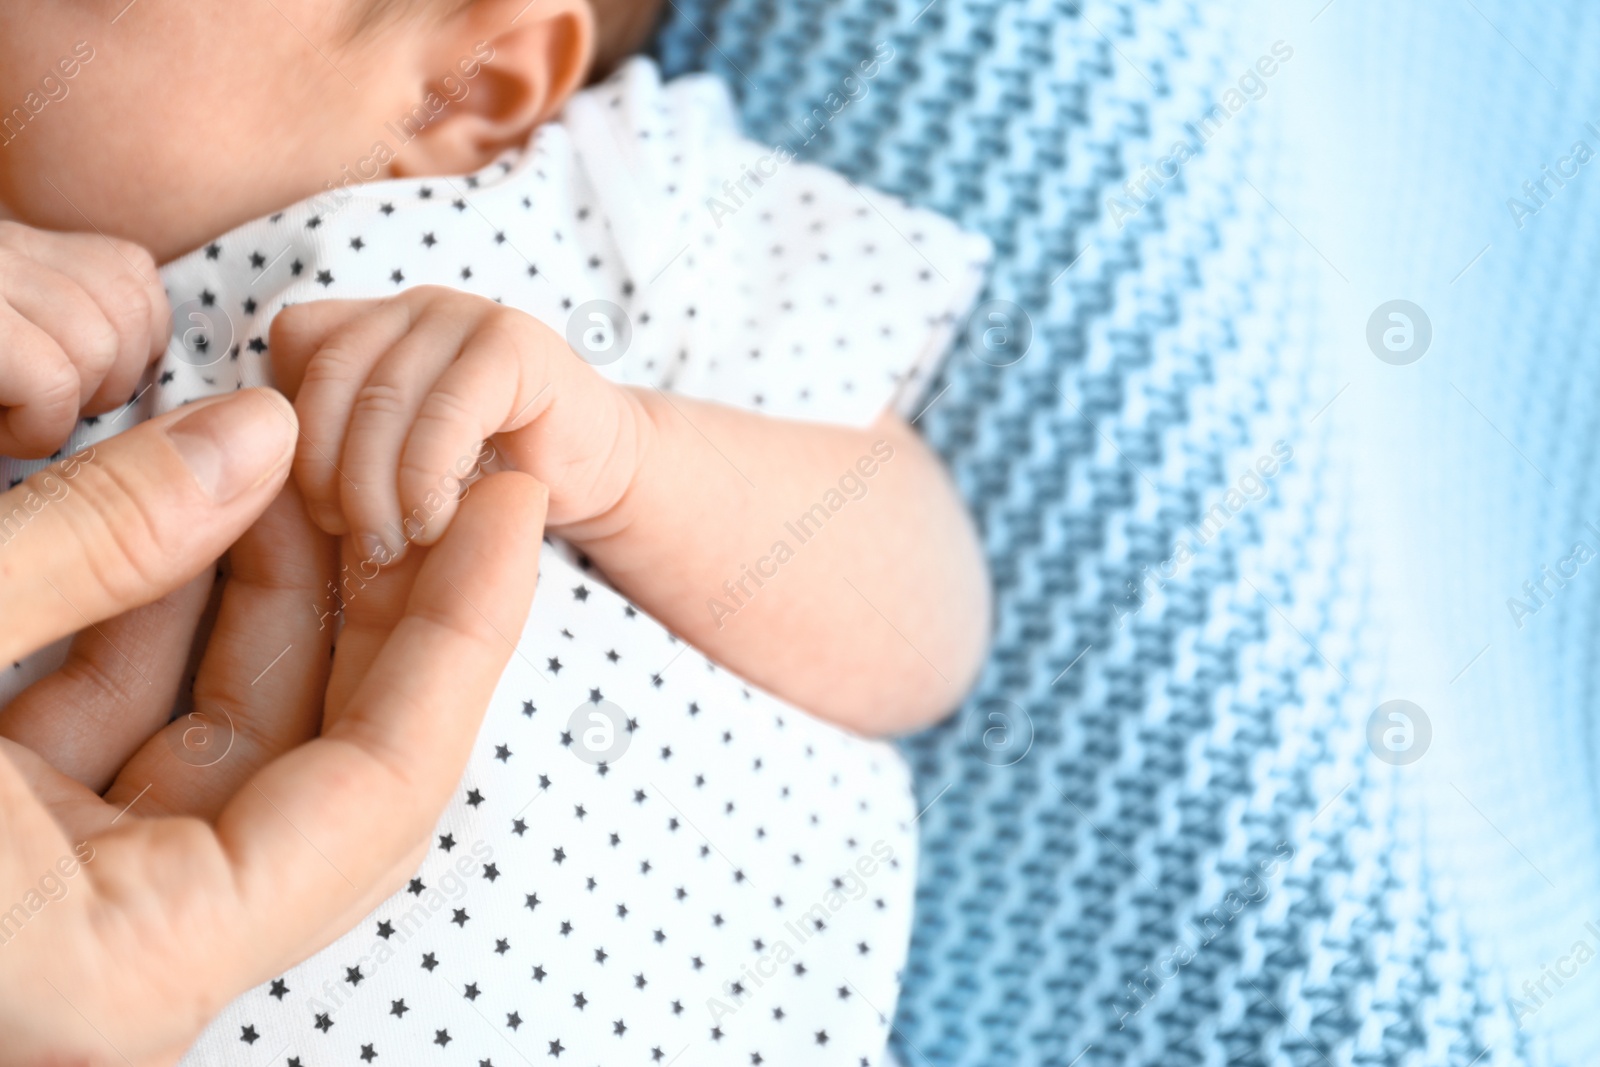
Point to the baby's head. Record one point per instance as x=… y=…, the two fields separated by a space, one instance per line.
x=168 y=122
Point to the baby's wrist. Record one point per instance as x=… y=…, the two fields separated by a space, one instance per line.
x=605 y=501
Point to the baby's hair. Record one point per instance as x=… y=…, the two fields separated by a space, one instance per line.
x=621 y=25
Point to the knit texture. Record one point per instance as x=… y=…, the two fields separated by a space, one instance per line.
x=1154 y=834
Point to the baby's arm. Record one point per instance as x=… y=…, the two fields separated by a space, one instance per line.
x=739 y=531
x=872 y=612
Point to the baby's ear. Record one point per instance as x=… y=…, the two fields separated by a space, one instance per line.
x=487 y=76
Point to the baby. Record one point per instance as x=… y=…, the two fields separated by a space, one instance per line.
x=412 y=218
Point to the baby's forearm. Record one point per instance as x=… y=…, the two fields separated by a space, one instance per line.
x=834 y=567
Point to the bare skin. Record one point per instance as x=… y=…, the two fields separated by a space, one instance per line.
x=141 y=892
x=878 y=623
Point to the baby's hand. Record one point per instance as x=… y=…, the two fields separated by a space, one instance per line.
x=81 y=317
x=397 y=398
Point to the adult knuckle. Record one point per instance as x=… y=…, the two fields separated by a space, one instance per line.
x=123 y=541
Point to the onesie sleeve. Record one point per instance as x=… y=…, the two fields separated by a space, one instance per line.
x=761 y=281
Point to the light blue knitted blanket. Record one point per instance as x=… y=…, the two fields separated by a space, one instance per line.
x=1158 y=833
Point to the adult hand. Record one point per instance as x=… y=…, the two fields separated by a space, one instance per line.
x=127 y=922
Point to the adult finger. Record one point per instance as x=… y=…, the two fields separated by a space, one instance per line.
x=374 y=599
x=115 y=690
x=132 y=519
x=260 y=685
x=320 y=830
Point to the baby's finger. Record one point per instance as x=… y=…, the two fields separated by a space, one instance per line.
x=38 y=389
x=122 y=279
x=328 y=350
x=475 y=397
x=381 y=418
x=61 y=307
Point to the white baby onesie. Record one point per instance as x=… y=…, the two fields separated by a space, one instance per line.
x=648 y=861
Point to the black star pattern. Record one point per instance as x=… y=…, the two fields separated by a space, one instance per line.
x=787 y=364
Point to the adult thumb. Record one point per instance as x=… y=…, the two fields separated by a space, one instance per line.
x=128 y=520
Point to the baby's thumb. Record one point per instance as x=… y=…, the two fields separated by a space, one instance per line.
x=128 y=520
